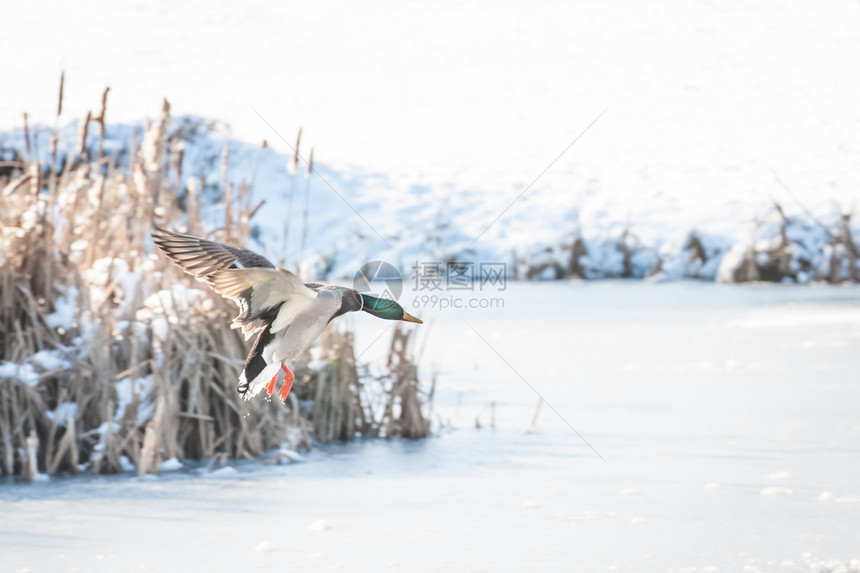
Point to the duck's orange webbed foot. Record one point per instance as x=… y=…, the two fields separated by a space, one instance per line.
x=270 y=387
x=288 y=383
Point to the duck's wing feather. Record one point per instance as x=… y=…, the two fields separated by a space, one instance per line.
x=263 y=293
x=200 y=257
x=263 y=296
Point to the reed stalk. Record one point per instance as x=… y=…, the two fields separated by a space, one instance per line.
x=109 y=355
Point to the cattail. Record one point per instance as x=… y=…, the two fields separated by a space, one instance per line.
x=192 y=206
x=292 y=166
x=254 y=210
x=55 y=139
x=31 y=468
x=100 y=118
x=60 y=100
x=227 y=199
x=305 y=212
x=154 y=144
x=81 y=147
x=27 y=136
x=175 y=359
x=177 y=153
x=225 y=163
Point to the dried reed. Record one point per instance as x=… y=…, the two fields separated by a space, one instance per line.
x=305 y=210
x=110 y=356
x=292 y=168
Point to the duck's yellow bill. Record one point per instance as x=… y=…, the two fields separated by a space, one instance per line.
x=409 y=318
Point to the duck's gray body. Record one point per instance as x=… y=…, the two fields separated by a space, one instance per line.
x=286 y=314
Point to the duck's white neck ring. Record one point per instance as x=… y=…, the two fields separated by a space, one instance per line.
x=361 y=296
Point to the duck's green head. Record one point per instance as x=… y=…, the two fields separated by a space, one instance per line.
x=387 y=309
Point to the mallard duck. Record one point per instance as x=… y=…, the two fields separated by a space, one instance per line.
x=288 y=314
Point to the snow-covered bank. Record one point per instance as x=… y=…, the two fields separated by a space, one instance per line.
x=728 y=415
x=358 y=216
x=446 y=114
x=109 y=360
x=704 y=98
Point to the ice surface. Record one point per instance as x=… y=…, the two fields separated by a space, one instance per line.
x=771 y=490
x=691 y=450
x=320 y=525
x=265 y=546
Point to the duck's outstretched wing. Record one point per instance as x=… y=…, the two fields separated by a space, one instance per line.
x=200 y=257
x=265 y=294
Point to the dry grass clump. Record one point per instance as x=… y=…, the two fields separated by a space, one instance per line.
x=350 y=400
x=403 y=413
x=800 y=248
x=797 y=248
x=111 y=357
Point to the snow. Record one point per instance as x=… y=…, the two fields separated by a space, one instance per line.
x=291 y=455
x=127 y=388
x=126 y=464
x=713 y=111
x=265 y=546
x=320 y=525
x=730 y=261
x=423 y=226
x=23 y=372
x=414 y=230
x=101 y=433
x=170 y=465
x=225 y=472
x=112 y=279
x=63 y=413
x=50 y=360
x=65 y=309
x=430 y=125
x=696 y=454
x=771 y=490
x=707 y=91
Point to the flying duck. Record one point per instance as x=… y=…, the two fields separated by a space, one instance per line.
x=288 y=314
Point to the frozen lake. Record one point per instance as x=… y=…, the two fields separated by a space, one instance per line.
x=728 y=417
